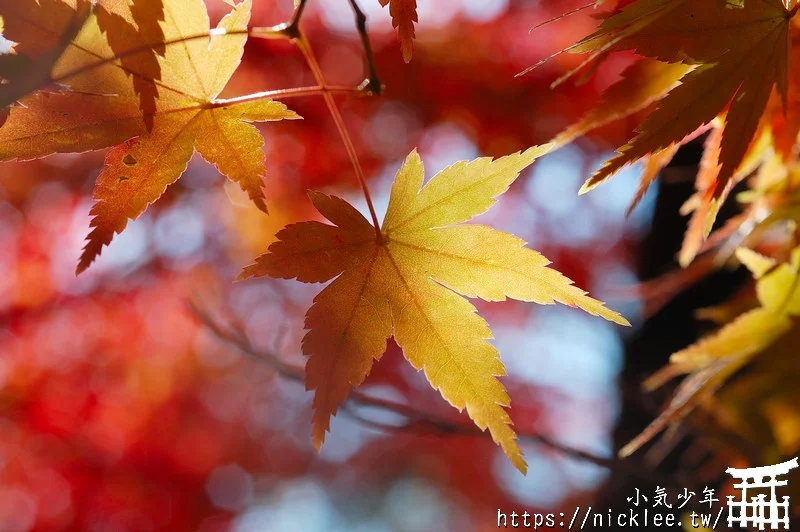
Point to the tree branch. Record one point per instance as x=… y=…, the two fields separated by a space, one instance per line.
x=305 y=47
x=417 y=421
x=373 y=83
x=291 y=30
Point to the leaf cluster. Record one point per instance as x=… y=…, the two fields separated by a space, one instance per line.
x=723 y=70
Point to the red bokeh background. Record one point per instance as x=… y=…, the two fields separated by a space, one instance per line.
x=121 y=410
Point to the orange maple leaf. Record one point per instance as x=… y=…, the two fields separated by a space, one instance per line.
x=404 y=15
x=39 y=33
x=152 y=149
x=741 y=53
x=711 y=61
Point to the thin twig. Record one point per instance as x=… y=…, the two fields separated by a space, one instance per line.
x=373 y=83
x=416 y=421
x=293 y=31
x=313 y=65
x=281 y=31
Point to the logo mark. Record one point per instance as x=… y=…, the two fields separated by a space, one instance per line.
x=760 y=511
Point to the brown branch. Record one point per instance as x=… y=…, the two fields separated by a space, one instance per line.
x=417 y=421
x=373 y=83
x=291 y=30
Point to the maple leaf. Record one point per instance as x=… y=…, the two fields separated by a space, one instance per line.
x=641 y=84
x=782 y=115
x=136 y=27
x=712 y=360
x=138 y=171
x=404 y=15
x=40 y=33
x=702 y=205
x=187 y=115
x=404 y=280
x=39 y=26
x=738 y=53
x=44 y=28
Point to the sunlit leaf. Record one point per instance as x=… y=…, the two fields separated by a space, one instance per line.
x=404 y=16
x=152 y=149
x=404 y=281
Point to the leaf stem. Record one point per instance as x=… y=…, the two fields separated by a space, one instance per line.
x=316 y=71
x=292 y=31
x=281 y=94
x=262 y=33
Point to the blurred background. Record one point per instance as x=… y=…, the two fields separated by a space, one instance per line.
x=120 y=409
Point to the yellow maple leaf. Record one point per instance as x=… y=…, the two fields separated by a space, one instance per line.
x=151 y=152
x=713 y=359
x=778 y=285
x=404 y=15
x=137 y=26
x=404 y=280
